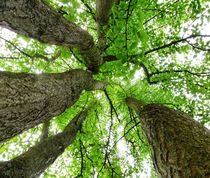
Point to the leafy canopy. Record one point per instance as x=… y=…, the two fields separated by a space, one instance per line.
x=162 y=51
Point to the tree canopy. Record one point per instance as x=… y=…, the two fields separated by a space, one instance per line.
x=156 y=51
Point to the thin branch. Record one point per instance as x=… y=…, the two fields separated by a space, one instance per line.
x=75 y=56
x=180 y=71
x=109 y=137
x=171 y=44
x=82 y=160
x=20 y=50
x=197 y=47
x=88 y=157
x=149 y=75
x=111 y=104
x=8 y=57
x=90 y=10
x=36 y=55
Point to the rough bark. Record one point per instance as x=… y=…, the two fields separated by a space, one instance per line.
x=36 y=20
x=38 y=158
x=180 y=145
x=27 y=100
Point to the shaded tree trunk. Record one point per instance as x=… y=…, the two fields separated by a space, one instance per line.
x=36 y=20
x=103 y=9
x=180 y=145
x=39 y=157
x=27 y=100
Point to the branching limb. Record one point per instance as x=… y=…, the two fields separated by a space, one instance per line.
x=103 y=9
x=149 y=75
x=89 y=9
x=21 y=17
x=171 y=44
x=14 y=46
x=32 y=57
x=88 y=157
x=180 y=71
x=33 y=162
x=111 y=104
x=197 y=47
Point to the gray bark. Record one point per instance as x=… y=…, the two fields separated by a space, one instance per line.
x=180 y=145
x=36 y=20
x=39 y=157
x=27 y=100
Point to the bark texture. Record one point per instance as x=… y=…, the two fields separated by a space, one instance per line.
x=38 y=158
x=27 y=100
x=36 y=20
x=180 y=145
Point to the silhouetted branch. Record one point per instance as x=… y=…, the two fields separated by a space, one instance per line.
x=36 y=55
x=111 y=104
x=199 y=48
x=180 y=71
x=149 y=75
x=171 y=44
x=20 y=50
x=90 y=10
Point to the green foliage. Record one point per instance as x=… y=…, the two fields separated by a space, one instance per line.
x=111 y=142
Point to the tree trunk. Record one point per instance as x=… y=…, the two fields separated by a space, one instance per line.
x=103 y=9
x=33 y=162
x=180 y=145
x=36 y=20
x=27 y=100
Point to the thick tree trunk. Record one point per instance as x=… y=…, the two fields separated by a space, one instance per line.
x=27 y=100
x=180 y=145
x=33 y=162
x=36 y=20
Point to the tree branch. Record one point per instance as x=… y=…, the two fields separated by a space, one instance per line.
x=149 y=75
x=180 y=71
x=90 y=10
x=33 y=162
x=103 y=9
x=111 y=104
x=170 y=44
x=31 y=19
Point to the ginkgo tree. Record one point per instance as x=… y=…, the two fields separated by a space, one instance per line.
x=101 y=88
